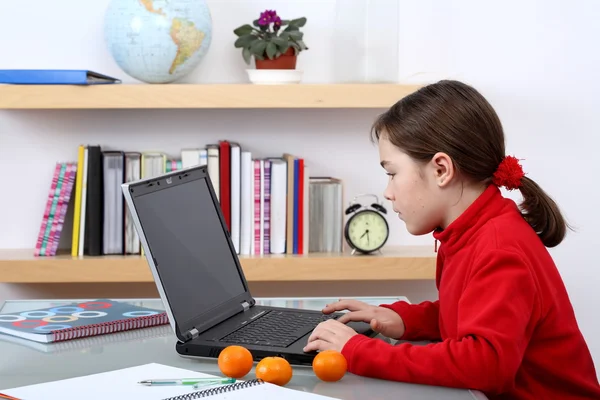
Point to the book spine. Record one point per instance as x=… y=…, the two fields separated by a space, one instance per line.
x=45 y=217
x=261 y=221
x=224 y=181
x=300 y=199
x=257 y=210
x=247 y=199
x=53 y=238
x=77 y=209
x=267 y=208
x=68 y=189
x=48 y=233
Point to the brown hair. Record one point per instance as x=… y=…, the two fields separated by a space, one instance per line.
x=454 y=118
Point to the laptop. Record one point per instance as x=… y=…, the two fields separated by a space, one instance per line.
x=199 y=276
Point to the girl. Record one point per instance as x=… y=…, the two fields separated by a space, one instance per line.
x=503 y=323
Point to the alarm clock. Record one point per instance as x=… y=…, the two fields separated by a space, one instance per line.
x=366 y=229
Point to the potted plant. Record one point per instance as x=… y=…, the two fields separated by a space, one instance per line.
x=274 y=43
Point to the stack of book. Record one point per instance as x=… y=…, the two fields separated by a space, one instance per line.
x=271 y=204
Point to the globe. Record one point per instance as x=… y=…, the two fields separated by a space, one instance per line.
x=158 y=41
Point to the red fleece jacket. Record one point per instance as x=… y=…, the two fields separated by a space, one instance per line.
x=503 y=324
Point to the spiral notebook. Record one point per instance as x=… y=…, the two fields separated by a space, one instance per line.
x=97 y=342
x=77 y=320
x=123 y=384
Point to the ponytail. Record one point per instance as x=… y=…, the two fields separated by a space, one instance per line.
x=542 y=213
x=538 y=209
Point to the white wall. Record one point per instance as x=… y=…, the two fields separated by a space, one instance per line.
x=536 y=61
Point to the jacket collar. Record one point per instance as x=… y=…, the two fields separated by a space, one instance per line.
x=488 y=205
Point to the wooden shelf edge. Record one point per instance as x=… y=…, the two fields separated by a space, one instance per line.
x=140 y=96
x=395 y=264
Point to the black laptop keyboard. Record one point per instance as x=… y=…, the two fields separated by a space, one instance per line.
x=277 y=328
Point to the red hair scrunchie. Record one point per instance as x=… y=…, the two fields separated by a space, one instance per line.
x=509 y=173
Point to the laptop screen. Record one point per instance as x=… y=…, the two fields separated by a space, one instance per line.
x=189 y=246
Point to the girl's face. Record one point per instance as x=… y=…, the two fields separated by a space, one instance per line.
x=414 y=189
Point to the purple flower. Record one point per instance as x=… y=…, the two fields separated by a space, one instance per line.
x=267 y=17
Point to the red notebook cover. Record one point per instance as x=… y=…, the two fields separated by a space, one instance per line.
x=224 y=180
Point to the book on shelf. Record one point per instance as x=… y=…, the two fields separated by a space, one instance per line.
x=271 y=205
x=57 y=203
x=79 y=320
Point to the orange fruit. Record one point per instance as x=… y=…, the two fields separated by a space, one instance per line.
x=329 y=365
x=276 y=370
x=235 y=361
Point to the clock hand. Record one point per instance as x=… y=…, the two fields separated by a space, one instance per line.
x=366 y=233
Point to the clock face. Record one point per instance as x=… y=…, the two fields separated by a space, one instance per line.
x=367 y=231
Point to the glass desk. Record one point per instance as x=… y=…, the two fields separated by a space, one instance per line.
x=24 y=362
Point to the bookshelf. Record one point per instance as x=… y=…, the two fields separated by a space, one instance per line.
x=197 y=96
x=397 y=263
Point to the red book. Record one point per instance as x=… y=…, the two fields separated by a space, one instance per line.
x=300 y=205
x=224 y=180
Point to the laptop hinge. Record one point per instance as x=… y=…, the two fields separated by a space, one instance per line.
x=245 y=305
x=193 y=333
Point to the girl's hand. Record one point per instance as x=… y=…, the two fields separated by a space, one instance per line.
x=329 y=335
x=382 y=320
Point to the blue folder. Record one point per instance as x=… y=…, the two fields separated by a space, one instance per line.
x=54 y=77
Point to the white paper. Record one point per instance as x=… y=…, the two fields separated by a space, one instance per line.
x=123 y=384
x=119 y=384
